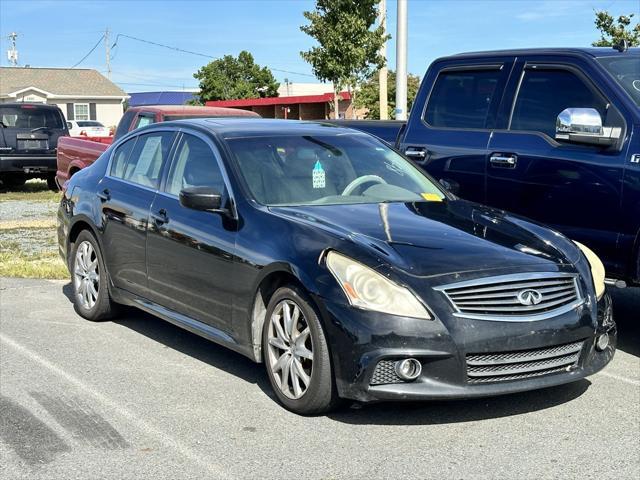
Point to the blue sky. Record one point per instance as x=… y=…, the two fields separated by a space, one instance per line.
x=60 y=33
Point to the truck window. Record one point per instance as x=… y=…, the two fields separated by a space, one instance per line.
x=461 y=99
x=144 y=119
x=544 y=94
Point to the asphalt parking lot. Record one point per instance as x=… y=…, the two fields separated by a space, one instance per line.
x=140 y=398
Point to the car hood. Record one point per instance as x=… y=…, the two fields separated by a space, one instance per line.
x=435 y=238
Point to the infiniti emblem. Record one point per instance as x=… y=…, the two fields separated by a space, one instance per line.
x=529 y=297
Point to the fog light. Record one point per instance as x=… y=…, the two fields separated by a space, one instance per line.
x=602 y=342
x=408 y=369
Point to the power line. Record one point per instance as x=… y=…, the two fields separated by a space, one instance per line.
x=90 y=52
x=181 y=50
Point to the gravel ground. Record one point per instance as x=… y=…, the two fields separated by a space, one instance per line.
x=140 y=398
x=25 y=209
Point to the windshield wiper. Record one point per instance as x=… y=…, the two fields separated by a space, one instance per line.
x=33 y=130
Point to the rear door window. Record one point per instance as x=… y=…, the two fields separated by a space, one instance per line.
x=543 y=94
x=461 y=99
x=143 y=165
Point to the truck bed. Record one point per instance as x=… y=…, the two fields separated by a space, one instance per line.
x=75 y=154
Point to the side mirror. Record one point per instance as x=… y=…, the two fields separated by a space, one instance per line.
x=201 y=198
x=450 y=185
x=584 y=125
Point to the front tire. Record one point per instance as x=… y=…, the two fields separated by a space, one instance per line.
x=91 y=298
x=296 y=354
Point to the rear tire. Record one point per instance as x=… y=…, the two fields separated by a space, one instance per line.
x=89 y=278
x=51 y=183
x=11 y=181
x=296 y=354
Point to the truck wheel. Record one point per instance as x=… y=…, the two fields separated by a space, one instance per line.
x=51 y=183
x=13 y=180
x=89 y=277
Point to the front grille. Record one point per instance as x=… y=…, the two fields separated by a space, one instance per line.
x=385 y=372
x=501 y=367
x=514 y=297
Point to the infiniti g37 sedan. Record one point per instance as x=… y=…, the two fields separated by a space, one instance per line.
x=325 y=254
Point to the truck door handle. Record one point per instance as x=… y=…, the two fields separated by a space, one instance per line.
x=501 y=160
x=161 y=217
x=416 y=153
x=104 y=195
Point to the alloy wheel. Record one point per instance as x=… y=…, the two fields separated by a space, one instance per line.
x=290 y=349
x=86 y=275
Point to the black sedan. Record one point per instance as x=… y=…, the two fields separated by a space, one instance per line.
x=325 y=254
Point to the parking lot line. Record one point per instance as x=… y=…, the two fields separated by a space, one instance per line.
x=630 y=381
x=143 y=426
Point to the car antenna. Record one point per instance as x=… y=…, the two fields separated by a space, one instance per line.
x=622 y=45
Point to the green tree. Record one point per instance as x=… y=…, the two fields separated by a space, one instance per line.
x=369 y=93
x=613 y=32
x=348 y=50
x=230 y=78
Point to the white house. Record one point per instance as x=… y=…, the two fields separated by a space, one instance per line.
x=81 y=94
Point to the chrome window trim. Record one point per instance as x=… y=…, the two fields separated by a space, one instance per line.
x=487 y=281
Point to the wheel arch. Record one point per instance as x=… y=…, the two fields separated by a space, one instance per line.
x=272 y=277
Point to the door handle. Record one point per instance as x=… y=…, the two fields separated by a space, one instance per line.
x=104 y=195
x=416 y=153
x=501 y=160
x=161 y=217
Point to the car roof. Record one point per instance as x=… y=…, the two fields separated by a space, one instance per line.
x=28 y=104
x=178 y=110
x=256 y=127
x=590 y=52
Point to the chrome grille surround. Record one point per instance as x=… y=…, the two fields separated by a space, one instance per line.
x=505 y=366
x=496 y=298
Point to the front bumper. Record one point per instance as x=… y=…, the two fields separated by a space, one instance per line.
x=360 y=340
x=28 y=163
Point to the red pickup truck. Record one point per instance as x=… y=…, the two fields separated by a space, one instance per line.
x=76 y=153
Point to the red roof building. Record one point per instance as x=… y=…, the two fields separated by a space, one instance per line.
x=302 y=107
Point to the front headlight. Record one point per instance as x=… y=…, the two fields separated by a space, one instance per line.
x=597 y=269
x=369 y=290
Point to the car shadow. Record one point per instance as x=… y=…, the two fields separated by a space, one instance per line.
x=460 y=411
x=386 y=413
x=626 y=302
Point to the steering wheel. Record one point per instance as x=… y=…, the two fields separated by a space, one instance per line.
x=360 y=181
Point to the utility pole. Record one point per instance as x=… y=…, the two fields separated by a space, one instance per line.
x=401 y=61
x=107 y=49
x=12 y=53
x=382 y=74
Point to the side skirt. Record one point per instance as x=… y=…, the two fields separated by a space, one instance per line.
x=194 y=326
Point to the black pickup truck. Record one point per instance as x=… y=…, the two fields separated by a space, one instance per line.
x=551 y=134
x=29 y=135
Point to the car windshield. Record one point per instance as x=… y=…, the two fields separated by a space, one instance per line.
x=89 y=124
x=29 y=116
x=626 y=71
x=328 y=169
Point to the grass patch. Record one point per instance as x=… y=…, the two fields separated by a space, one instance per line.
x=37 y=223
x=34 y=190
x=14 y=263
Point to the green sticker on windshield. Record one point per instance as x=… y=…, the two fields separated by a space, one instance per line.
x=318 y=176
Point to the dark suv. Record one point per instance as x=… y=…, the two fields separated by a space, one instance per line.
x=28 y=140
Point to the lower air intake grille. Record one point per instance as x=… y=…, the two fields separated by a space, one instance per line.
x=385 y=372
x=500 y=367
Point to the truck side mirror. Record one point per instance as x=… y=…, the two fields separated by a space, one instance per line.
x=584 y=125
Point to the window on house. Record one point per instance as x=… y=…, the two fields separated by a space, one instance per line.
x=81 y=111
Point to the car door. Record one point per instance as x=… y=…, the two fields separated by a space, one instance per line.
x=574 y=188
x=449 y=137
x=190 y=253
x=126 y=193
